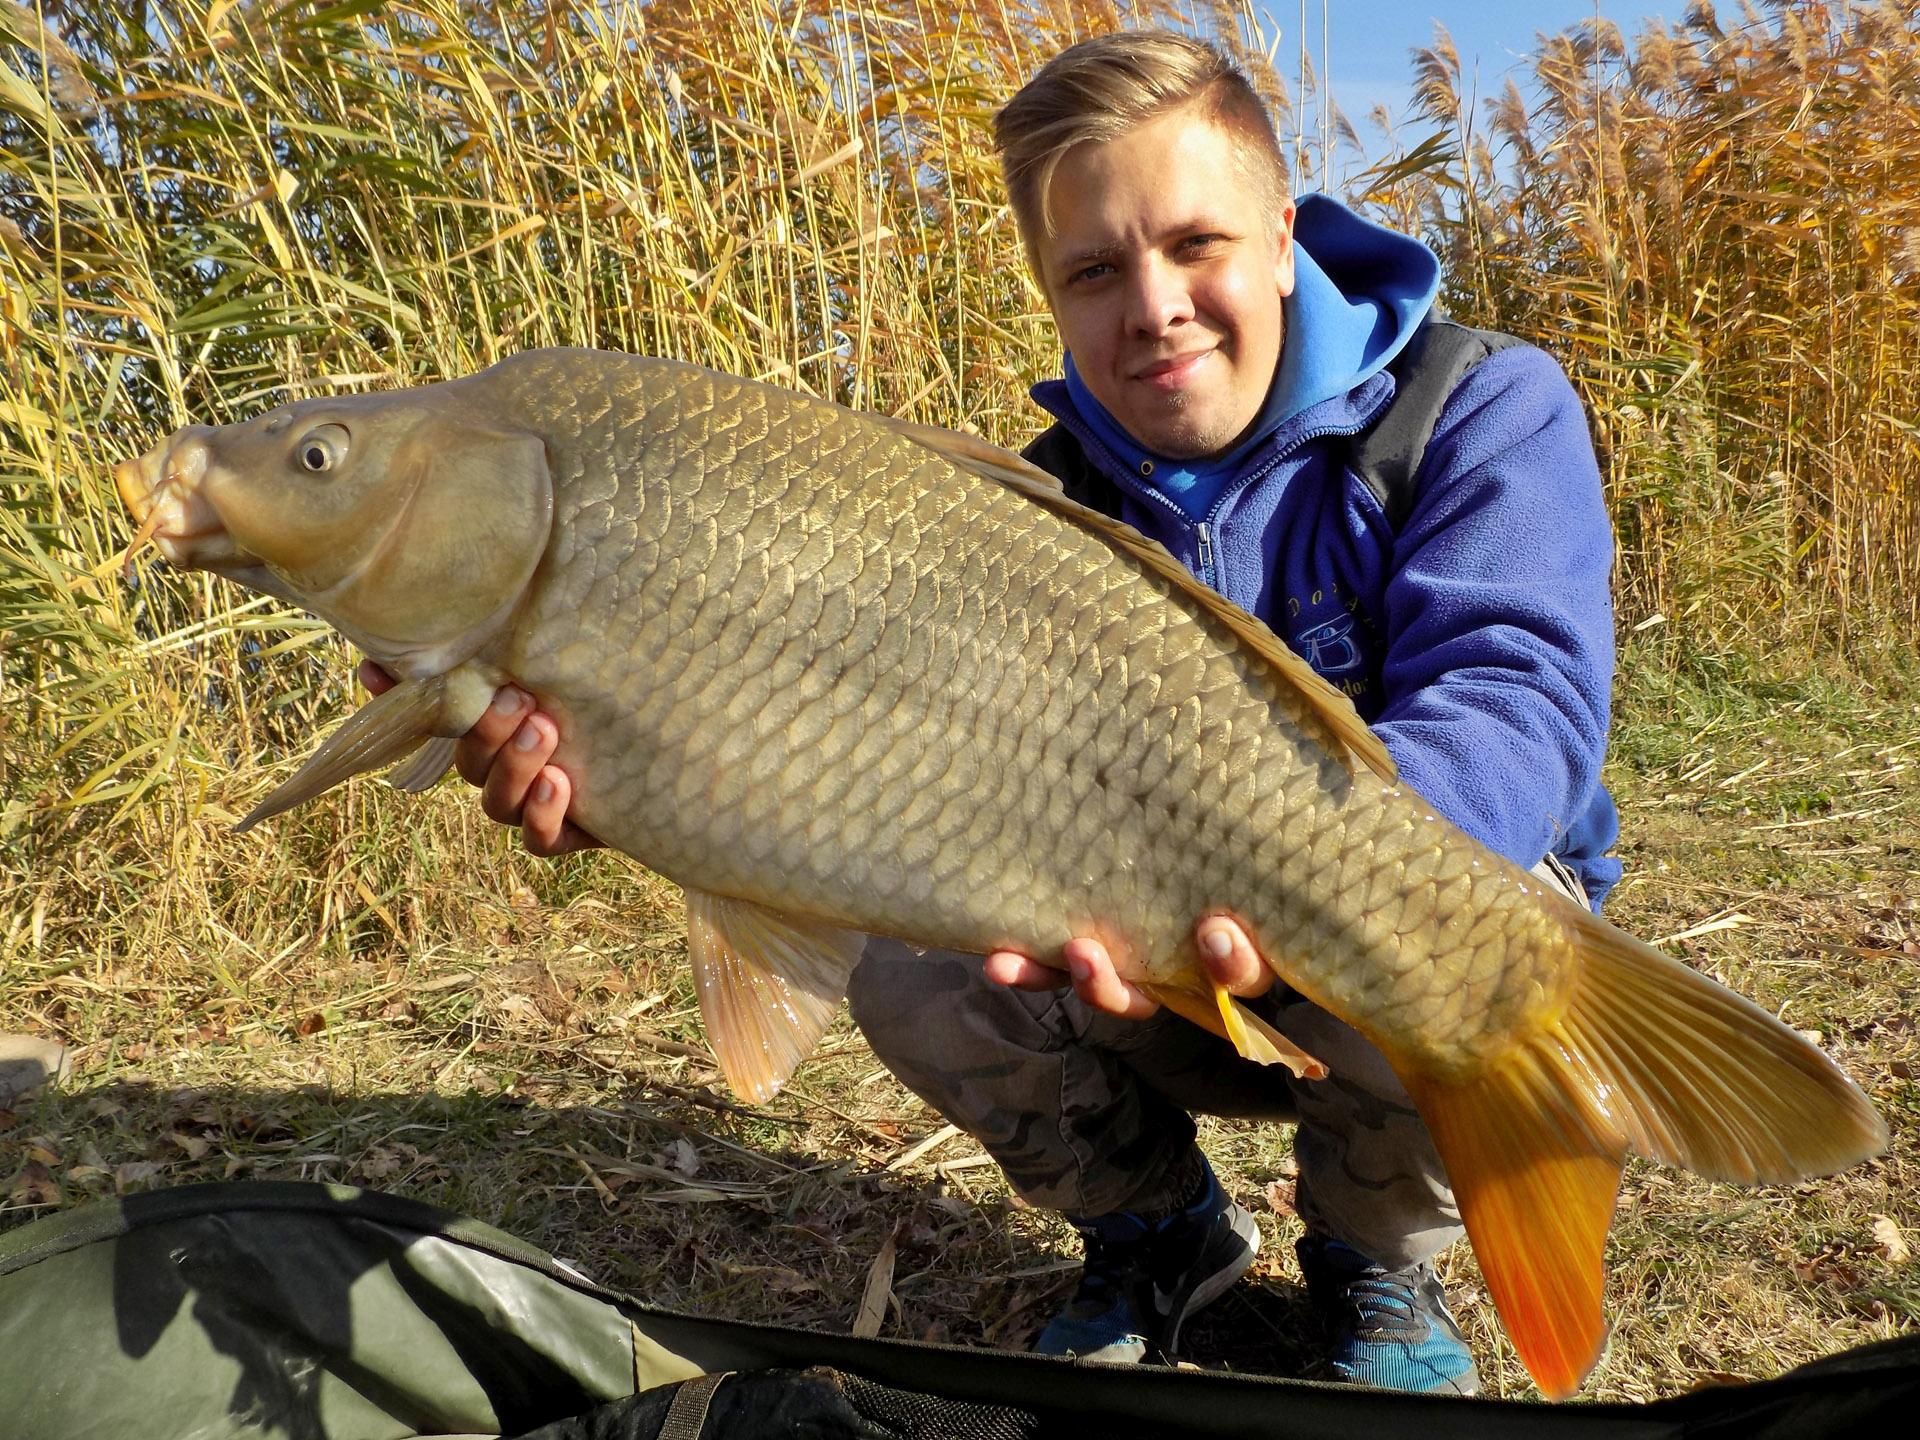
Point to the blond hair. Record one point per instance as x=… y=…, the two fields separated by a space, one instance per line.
x=1100 y=89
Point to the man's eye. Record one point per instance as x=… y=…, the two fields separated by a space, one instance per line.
x=1091 y=272
x=1200 y=242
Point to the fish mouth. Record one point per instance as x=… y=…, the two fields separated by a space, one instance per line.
x=164 y=494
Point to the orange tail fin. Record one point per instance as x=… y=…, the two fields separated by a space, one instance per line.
x=1535 y=1187
x=1648 y=1055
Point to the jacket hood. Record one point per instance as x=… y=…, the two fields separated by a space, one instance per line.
x=1360 y=291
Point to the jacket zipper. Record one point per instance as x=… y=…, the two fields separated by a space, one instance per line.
x=1203 y=530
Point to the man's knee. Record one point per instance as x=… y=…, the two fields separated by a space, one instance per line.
x=916 y=1005
x=879 y=984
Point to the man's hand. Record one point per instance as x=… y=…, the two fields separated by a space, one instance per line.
x=506 y=754
x=1224 y=948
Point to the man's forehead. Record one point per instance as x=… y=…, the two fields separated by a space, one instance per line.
x=1096 y=220
x=1188 y=159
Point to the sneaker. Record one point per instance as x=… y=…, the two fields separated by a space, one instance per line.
x=1142 y=1280
x=1389 y=1328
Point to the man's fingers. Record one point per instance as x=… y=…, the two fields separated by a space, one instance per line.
x=474 y=755
x=1017 y=972
x=516 y=766
x=506 y=754
x=1230 y=957
x=543 y=824
x=1096 y=982
x=1089 y=970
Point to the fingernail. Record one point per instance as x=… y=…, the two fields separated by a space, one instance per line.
x=527 y=737
x=507 y=701
x=1219 y=944
x=543 y=790
x=1080 y=970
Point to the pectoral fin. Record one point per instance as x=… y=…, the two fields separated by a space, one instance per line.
x=1251 y=1036
x=769 y=985
x=385 y=731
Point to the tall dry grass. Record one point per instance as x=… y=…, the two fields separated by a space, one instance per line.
x=1718 y=230
x=209 y=208
x=206 y=208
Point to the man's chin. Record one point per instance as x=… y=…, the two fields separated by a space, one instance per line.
x=1184 y=441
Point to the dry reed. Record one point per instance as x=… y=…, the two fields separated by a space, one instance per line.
x=1718 y=231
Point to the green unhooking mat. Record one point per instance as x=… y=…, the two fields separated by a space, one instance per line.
x=315 y=1312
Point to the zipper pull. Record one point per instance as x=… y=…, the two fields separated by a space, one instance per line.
x=1203 y=538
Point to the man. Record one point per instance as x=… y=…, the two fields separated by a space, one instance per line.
x=1224 y=350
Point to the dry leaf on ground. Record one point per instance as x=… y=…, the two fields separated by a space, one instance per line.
x=873 y=1302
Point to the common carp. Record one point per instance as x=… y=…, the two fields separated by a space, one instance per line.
x=836 y=674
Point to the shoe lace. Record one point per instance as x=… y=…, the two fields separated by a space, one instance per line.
x=1384 y=1305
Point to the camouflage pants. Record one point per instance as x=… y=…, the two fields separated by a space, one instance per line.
x=1090 y=1114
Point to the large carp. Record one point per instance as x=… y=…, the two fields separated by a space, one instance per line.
x=835 y=674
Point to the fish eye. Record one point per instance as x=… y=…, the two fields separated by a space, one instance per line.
x=322 y=450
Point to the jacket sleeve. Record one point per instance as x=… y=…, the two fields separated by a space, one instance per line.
x=1497 y=676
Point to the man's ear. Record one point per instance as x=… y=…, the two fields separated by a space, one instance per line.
x=1283 y=252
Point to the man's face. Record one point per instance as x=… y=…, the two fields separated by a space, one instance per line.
x=1166 y=277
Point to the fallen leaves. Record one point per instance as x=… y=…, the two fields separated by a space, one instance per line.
x=394 y=1163
x=878 y=1293
x=1891 y=1242
x=34 y=1185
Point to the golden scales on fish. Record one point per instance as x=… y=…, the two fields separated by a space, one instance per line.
x=836 y=674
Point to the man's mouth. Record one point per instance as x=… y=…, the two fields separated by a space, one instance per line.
x=1175 y=372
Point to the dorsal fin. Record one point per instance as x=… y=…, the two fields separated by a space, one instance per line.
x=989 y=461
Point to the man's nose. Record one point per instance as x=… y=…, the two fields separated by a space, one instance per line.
x=1159 y=299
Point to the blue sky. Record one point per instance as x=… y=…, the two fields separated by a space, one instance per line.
x=1369 y=44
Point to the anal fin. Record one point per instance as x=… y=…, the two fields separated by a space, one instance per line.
x=769 y=985
x=1256 y=1040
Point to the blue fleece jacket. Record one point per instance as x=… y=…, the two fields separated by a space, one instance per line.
x=1477 y=639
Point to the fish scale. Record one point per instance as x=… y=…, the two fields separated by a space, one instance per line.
x=1215 y=756
x=837 y=674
